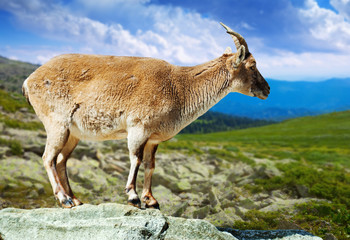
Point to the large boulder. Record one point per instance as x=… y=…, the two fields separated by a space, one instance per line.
x=104 y=221
x=116 y=221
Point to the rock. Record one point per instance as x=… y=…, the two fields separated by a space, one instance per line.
x=104 y=221
x=35 y=148
x=279 y=194
x=284 y=204
x=240 y=170
x=266 y=172
x=180 y=209
x=240 y=211
x=272 y=234
x=40 y=188
x=83 y=150
x=33 y=194
x=4 y=150
x=225 y=217
x=213 y=197
x=202 y=212
x=284 y=224
x=247 y=203
x=329 y=236
x=182 y=186
x=171 y=182
x=303 y=191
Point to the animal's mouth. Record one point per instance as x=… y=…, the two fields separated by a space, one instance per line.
x=262 y=94
x=263 y=97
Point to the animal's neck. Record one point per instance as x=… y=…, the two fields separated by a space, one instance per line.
x=207 y=84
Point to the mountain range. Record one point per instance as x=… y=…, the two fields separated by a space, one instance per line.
x=290 y=99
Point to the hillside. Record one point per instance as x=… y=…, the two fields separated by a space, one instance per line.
x=13 y=73
x=293 y=174
x=331 y=131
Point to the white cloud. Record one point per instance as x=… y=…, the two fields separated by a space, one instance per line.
x=327 y=26
x=343 y=7
x=37 y=55
x=286 y=65
x=177 y=36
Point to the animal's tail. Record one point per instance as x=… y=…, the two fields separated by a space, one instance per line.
x=25 y=91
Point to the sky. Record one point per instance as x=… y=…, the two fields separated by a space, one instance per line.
x=290 y=39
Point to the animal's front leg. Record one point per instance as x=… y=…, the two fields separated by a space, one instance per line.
x=136 y=143
x=149 y=163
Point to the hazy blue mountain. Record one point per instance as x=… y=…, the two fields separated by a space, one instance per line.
x=290 y=99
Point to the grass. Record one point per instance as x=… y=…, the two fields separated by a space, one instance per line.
x=306 y=131
x=256 y=220
x=12 y=102
x=14 y=123
x=317 y=139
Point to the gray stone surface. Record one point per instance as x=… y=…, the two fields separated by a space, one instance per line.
x=104 y=221
x=116 y=221
x=271 y=234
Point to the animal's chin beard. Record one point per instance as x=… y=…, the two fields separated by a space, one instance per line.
x=259 y=95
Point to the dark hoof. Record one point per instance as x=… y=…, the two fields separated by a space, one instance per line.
x=135 y=202
x=67 y=203
x=77 y=202
x=155 y=206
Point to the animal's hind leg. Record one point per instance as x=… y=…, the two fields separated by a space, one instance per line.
x=136 y=143
x=57 y=137
x=149 y=163
x=61 y=166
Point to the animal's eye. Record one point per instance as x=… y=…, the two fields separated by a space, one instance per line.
x=252 y=67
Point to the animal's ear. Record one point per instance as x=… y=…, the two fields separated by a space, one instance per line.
x=240 y=55
x=228 y=50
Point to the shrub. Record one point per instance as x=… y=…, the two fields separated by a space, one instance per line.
x=12 y=102
x=324 y=217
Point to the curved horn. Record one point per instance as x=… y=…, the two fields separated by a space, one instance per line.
x=237 y=38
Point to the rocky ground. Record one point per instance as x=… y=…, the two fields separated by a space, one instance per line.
x=198 y=184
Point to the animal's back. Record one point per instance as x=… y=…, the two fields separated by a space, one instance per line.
x=96 y=93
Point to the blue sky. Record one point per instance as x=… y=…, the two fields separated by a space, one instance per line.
x=290 y=39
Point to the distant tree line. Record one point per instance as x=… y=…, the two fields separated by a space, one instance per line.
x=217 y=122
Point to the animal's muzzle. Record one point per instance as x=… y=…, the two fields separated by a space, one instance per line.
x=262 y=89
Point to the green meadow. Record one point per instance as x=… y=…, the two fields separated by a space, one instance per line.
x=323 y=139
